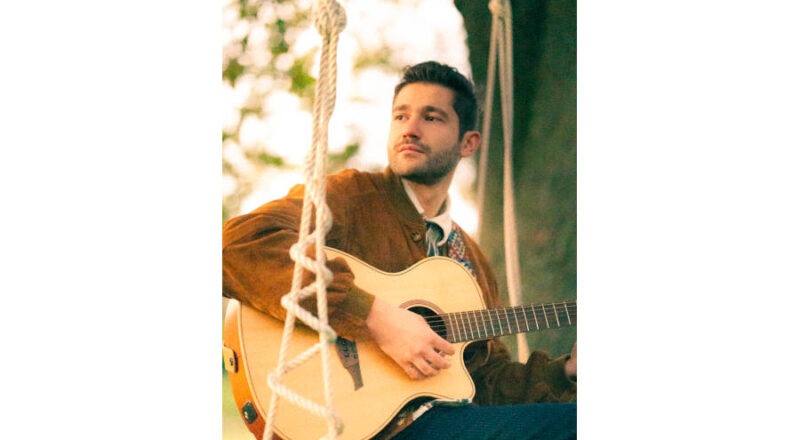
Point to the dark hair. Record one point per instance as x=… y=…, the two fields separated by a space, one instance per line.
x=465 y=102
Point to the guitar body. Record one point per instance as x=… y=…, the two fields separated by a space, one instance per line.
x=252 y=340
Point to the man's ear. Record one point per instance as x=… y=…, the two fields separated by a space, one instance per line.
x=470 y=143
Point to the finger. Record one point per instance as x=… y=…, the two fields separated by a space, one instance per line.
x=413 y=373
x=425 y=368
x=438 y=360
x=442 y=346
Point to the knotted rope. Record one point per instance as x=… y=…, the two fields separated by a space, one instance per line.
x=501 y=52
x=330 y=19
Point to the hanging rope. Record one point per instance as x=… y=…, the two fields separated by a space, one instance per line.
x=501 y=52
x=330 y=20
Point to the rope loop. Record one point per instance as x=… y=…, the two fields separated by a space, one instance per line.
x=330 y=18
x=501 y=55
x=500 y=8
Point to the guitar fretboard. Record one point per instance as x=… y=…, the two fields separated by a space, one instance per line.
x=486 y=324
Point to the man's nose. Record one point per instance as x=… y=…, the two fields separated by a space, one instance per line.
x=411 y=127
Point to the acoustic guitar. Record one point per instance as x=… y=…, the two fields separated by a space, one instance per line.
x=369 y=387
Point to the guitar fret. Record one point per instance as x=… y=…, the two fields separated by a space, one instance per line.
x=525 y=315
x=517 y=321
x=460 y=324
x=483 y=321
x=508 y=321
x=456 y=336
x=479 y=324
x=544 y=312
x=535 y=319
x=457 y=326
x=451 y=328
x=461 y=319
x=448 y=326
x=470 y=326
x=555 y=312
x=498 y=322
x=566 y=310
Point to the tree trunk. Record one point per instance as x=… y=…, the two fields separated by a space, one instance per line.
x=544 y=158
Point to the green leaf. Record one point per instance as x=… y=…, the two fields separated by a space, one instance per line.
x=269 y=159
x=302 y=82
x=337 y=161
x=248 y=9
x=232 y=71
x=228 y=135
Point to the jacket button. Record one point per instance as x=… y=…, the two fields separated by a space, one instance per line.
x=416 y=236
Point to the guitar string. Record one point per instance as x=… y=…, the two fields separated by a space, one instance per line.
x=481 y=321
x=528 y=310
x=508 y=314
x=481 y=317
x=478 y=323
x=521 y=311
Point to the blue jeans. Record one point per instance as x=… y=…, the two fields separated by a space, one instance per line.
x=533 y=421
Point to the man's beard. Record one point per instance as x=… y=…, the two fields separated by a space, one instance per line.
x=437 y=167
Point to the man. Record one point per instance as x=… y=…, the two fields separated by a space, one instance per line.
x=381 y=218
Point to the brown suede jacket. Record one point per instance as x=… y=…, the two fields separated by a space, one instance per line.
x=373 y=220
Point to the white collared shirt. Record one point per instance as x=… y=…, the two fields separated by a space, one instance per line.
x=443 y=220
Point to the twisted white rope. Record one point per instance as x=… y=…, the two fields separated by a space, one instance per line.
x=330 y=20
x=501 y=52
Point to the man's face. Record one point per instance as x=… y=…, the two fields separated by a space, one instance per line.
x=424 y=145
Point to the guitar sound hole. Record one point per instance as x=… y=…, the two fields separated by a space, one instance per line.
x=434 y=320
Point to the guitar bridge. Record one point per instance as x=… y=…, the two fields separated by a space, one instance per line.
x=348 y=355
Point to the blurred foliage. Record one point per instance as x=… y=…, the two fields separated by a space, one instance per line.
x=261 y=56
x=259 y=34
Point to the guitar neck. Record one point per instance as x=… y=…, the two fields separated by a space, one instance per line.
x=486 y=324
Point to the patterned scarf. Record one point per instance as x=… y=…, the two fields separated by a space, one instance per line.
x=457 y=250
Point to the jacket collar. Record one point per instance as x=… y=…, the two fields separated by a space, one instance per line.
x=443 y=219
x=398 y=197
